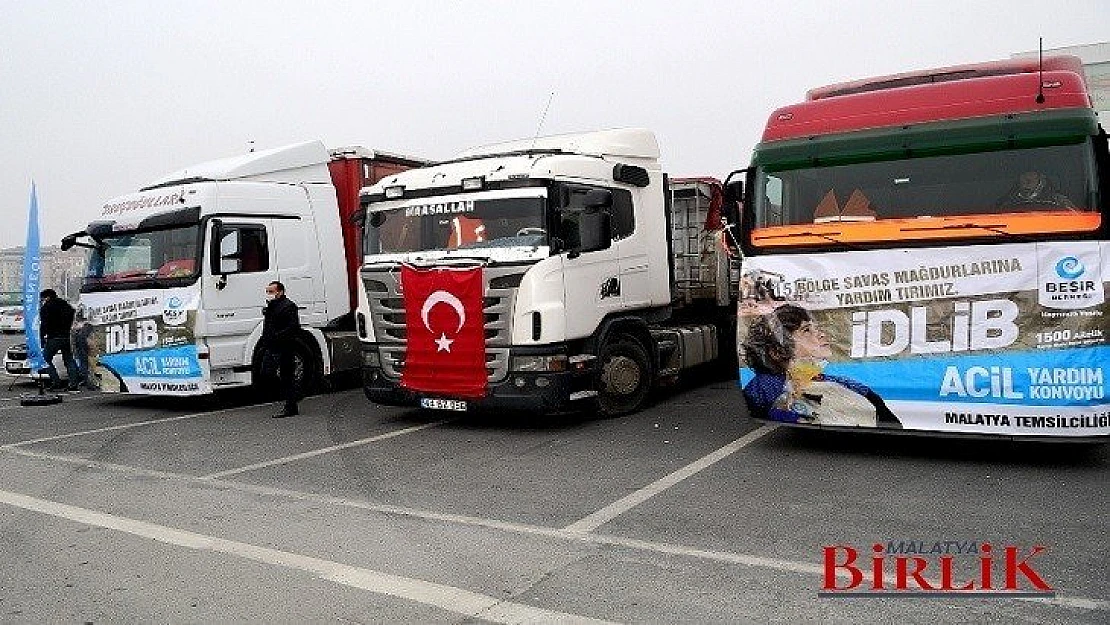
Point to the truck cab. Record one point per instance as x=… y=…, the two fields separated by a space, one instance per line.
x=919 y=246
x=574 y=239
x=177 y=270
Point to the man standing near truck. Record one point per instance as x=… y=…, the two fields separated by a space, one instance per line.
x=55 y=322
x=280 y=325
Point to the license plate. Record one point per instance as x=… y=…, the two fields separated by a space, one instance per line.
x=14 y=366
x=442 y=404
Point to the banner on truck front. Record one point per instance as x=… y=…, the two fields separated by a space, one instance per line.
x=1000 y=339
x=145 y=343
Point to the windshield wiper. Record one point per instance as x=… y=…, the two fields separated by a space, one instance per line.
x=820 y=235
x=997 y=229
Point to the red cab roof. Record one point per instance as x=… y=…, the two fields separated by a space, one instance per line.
x=950 y=93
x=947 y=74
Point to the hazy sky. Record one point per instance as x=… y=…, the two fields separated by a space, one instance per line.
x=100 y=98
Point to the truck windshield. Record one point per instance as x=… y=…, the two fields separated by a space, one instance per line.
x=1046 y=188
x=166 y=257
x=458 y=222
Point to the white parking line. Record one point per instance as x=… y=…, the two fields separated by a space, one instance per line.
x=725 y=557
x=626 y=503
x=128 y=426
x=324 y=450
x=447 y=598
x=95 y=464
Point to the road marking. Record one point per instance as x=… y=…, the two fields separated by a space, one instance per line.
x=626 y=503
x=322 y=451
x=95 y=464
x=1081 y=603
x=127 y=426
x=724 y=557
x=447 y=598
x=273 y=491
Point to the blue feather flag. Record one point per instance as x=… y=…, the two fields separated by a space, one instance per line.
x=32 y=278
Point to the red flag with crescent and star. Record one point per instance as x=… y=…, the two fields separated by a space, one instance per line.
x=445 y=349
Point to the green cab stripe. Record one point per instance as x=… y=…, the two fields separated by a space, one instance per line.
x=985 y=134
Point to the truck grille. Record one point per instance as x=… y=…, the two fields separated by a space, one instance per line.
x=387 y=313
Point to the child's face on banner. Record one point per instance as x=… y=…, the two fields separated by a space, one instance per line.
x=810 y=342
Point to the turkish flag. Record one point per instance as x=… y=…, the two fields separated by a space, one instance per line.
x=445 y=351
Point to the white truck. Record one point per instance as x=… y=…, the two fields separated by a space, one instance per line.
x=602 y=278
x=177 y=271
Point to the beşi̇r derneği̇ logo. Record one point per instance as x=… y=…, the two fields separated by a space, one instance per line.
x=914 y=568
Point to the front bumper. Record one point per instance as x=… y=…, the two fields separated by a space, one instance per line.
x=520 y=391
x=21 y=368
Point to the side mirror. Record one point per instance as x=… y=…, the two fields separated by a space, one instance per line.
x=733 y=196
x=230 y=261
x=589 y=230
x=358 y=217
x=224 y=249
x=734 y=191
x=214 y=246
x=68 y=242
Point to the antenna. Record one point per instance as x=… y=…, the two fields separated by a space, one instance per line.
x=1040 y=70
x=543 y=118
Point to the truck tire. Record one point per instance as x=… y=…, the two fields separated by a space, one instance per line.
x=307 y=369
x=624 y=377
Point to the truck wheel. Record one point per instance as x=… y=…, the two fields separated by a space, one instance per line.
x=307 y=372
x=307 y=369
x=623 y=378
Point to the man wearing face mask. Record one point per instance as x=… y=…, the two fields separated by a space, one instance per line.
x=280 y=326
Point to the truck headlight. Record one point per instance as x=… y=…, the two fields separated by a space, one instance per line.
x=556 y=362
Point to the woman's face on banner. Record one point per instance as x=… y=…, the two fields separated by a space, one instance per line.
x=810 y=342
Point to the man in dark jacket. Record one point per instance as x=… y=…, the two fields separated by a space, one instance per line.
x=280 y=326
x=55 y=322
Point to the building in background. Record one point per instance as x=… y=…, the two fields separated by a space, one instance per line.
x=1096 y=64
x=61 y=271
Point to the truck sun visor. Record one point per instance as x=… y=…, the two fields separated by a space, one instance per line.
x=178 y=217
x=100 y=229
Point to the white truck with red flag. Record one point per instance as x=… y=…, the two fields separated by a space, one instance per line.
x=542 y=275
x=177 y=271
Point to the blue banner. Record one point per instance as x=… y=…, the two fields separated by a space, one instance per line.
x=163 y=363
x=32 y=276
x=1048 y=377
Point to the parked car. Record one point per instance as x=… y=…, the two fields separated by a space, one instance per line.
x=11 y=319
x=16 y=364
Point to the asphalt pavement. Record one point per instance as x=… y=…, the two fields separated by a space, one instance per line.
x=129 y=509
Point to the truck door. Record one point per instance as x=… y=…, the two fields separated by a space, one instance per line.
x=635 y=275
x=241 y=262
x=592 y=281
x=298 y=256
